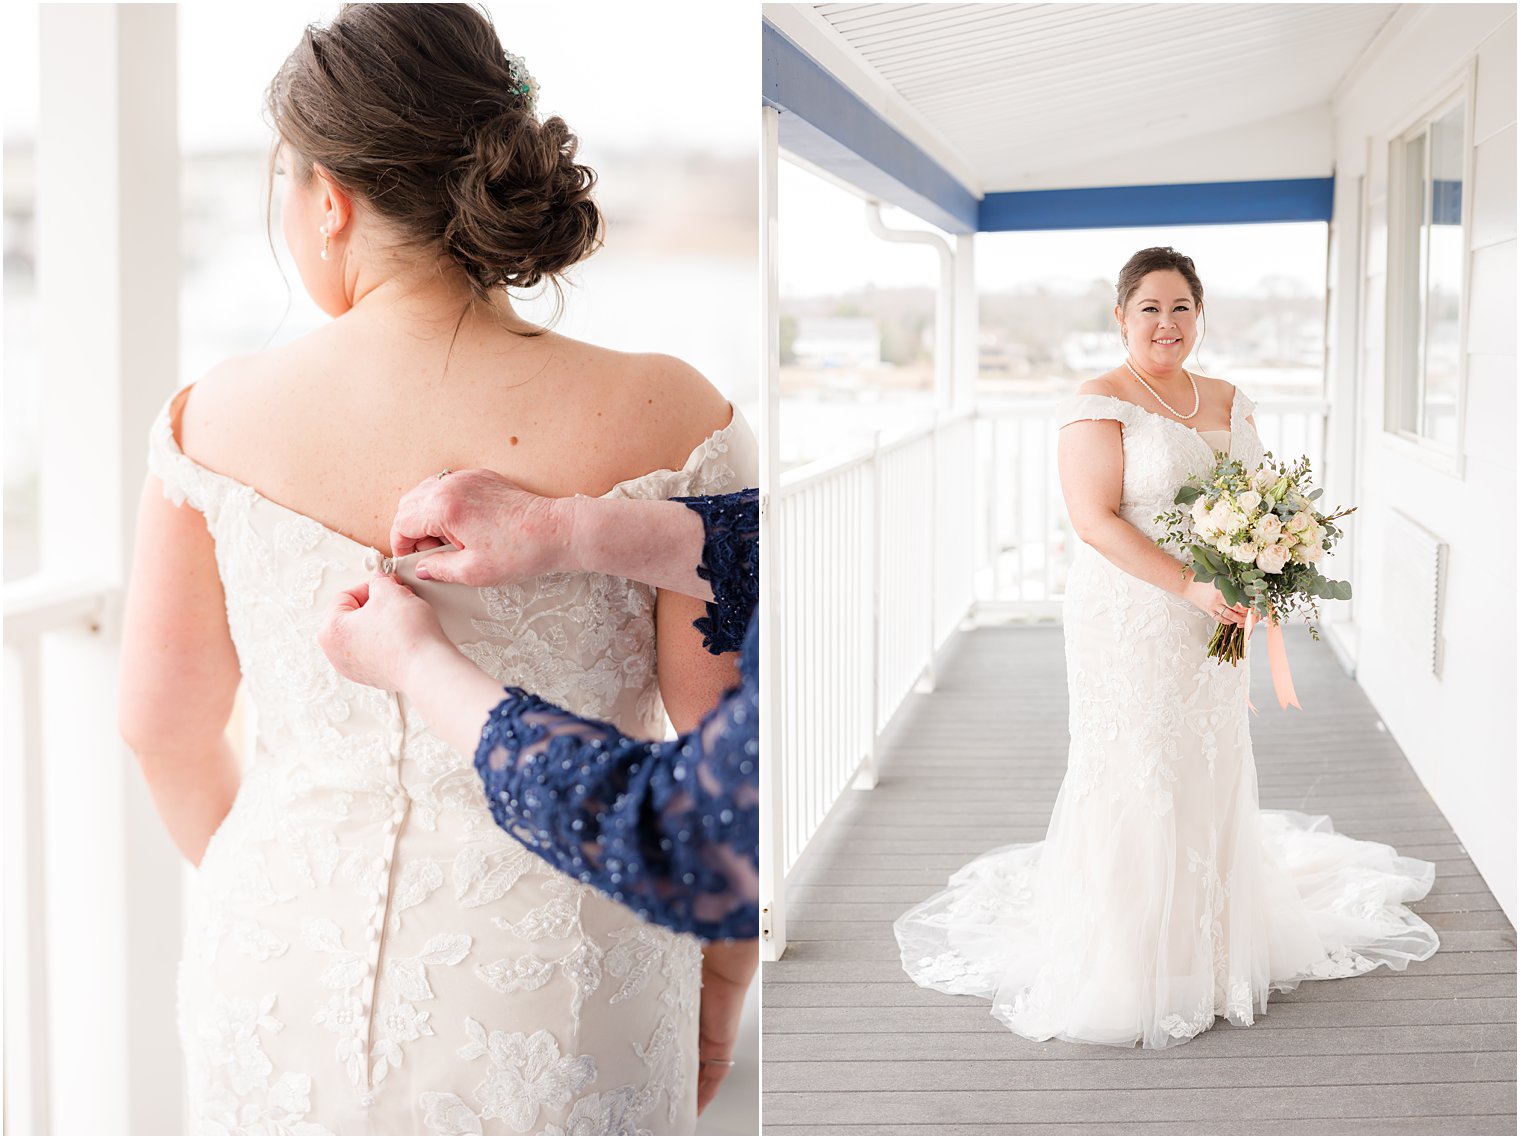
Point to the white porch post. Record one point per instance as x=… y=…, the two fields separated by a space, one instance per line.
x=772 y=710
x=108 y=284
x=967 y=326
x=1344 y=270
x=865 y=775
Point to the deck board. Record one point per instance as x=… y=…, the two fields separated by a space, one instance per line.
x=853 y=1047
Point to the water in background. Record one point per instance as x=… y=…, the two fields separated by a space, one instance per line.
x=692 y=294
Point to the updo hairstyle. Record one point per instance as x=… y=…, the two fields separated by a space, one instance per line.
x=1148 y=261
x=413 y=109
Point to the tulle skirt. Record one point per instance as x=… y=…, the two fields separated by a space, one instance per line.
x=1163 y=897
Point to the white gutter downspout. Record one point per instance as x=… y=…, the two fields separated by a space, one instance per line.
x=944 y=401
x=944 y=301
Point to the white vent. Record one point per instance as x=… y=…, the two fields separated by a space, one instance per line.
x=1414 y=568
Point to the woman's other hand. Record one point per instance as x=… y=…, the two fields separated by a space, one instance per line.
x=375 y=632
x=1208 y=599
x=504 y=533
x=727 y=970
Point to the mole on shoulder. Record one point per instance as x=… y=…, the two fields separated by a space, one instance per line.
x=513 y=440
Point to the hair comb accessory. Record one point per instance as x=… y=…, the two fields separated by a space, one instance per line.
x=522 y=82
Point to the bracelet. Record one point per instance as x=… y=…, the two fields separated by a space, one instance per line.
x=724 y=1063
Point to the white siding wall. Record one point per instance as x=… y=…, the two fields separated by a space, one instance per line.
x=1458 y=730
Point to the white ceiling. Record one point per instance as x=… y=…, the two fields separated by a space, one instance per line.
x=1017 y=96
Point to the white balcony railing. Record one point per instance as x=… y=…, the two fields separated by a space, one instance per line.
x=36 y=612
x=875 y=568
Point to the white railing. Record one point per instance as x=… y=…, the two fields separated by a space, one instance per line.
x=827 y=518
x=875 y=563
x=954 y=533
x=905 y=559
x=1023 y=536
x=35 y=611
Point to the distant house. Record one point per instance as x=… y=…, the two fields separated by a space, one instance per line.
x=837 y=342
x=1088 y=353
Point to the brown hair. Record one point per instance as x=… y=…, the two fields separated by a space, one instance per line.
x=413 y=109
x=1152 y=259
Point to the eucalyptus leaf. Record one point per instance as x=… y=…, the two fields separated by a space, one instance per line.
x=1227 y=587
x=1315 y=493
x=1187 y=495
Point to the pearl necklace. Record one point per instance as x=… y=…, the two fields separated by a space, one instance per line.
x=1196 y=401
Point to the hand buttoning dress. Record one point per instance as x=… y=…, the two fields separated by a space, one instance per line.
x=1162 y=896
x=366 y=951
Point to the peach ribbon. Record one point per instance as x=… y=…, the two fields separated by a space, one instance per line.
x=1277 y=656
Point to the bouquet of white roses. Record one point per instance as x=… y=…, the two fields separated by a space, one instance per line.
x=1257 y=537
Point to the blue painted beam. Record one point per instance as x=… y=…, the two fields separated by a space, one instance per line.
x=828 y=125
x=1192 y=203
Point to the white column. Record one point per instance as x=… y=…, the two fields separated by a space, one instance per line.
x=108 y=283
x=772 y=709
x=1344 y=271
x=968 y=330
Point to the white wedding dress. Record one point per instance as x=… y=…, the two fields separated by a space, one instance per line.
x=1162 y=896
x=366 y=952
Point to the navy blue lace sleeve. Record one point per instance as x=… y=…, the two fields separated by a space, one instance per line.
x=671 y=829
x=730 y=558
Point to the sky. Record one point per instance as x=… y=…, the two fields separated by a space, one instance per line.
x=671 y=87
x=825 y=249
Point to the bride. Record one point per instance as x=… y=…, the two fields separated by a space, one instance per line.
x=1162 y=896
x=366 y=951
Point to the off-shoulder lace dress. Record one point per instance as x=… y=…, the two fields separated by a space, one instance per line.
x=366 y=951
x=1162 y=896
x=670 y=828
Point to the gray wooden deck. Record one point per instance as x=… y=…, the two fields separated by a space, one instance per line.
x=851 y=1046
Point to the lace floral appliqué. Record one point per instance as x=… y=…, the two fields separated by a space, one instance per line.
x=730 y=564
x=670 y=828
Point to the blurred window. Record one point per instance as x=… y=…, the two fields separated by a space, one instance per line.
x=1428 y=266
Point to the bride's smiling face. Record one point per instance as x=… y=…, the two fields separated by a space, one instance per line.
x=304 y=211
x=1160 y=321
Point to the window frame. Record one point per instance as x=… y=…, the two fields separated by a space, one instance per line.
x=1400 y=370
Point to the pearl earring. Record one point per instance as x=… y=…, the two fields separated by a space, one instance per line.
x=326 y=237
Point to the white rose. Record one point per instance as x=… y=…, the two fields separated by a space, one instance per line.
x=1212 y=522
x=1272 y=558
x=1244 y=552
x=1248 y=501
x=1268 y=529
x=1300 y=523
x=1264 y=478
x=1200 y=511
x=1308 y=552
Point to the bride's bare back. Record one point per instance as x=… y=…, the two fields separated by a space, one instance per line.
x=339 y=424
